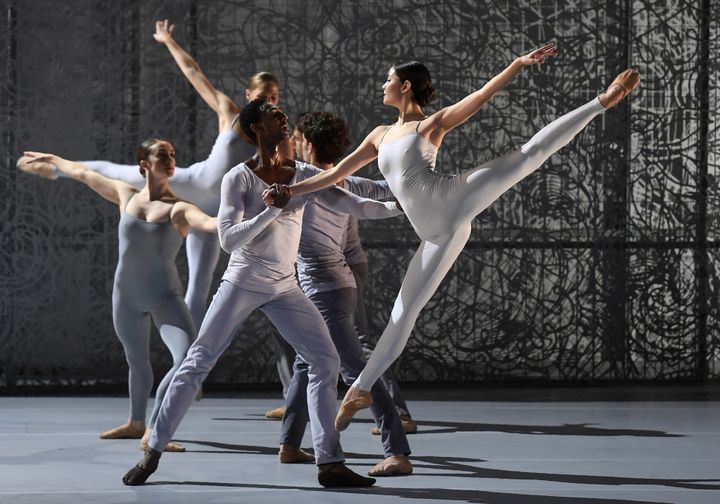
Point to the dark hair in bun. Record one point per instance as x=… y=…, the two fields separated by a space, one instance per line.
x=420 y=81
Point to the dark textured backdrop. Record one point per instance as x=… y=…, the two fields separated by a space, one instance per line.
x=599 y=266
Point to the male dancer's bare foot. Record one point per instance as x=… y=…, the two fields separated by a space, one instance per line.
x=339 y=475
x=139 y=474
x=354 y=400
x=620 y=88
x=40 y=168
x=133 y=429
x=172 y=446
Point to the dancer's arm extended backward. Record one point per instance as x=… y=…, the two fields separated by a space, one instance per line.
x=363 y=208
x=435 y=127
x=116 y=191
x=225 y=108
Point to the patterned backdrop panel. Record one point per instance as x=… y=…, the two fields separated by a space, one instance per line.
x=599 y=266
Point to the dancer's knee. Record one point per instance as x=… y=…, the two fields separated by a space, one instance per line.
x=323 y=365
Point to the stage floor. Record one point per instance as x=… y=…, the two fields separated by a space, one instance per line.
x=567 y=452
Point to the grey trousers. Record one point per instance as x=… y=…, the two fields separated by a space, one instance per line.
x=360 y=272
x=337 y=308
x=299 y=322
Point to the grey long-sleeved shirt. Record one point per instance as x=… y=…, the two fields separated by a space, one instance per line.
x=263 y=242
x=321 y=263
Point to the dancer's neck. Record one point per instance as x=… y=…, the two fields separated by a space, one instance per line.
x=158 y=189
x=409 y=112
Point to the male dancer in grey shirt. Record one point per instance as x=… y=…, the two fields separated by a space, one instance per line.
x=329 y=283
x=262 y=232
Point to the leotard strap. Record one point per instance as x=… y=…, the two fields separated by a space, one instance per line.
x=383 y=137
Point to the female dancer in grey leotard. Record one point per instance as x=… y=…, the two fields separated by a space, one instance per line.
x=152 y=225
x=441 y=207
x=200 y=182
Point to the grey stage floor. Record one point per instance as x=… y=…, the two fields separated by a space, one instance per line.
x=466 y=451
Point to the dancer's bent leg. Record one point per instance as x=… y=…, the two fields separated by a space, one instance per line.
x=487 y=183
x=228 y=310
x=428 y=267
x=177 y=332
x=203 y=252
x=299 y=322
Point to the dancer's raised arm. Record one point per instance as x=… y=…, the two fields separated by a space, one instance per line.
x=451 y=117
x=112 y=190
x=223 y=105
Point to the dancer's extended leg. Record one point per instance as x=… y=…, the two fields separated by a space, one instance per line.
x=479 y=188
x=228 y=310
x=177 y=332
x=428 y=267
x=360 y=273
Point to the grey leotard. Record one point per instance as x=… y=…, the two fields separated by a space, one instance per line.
x=147 y=283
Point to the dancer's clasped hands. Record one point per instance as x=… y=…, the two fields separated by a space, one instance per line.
x=277 y=195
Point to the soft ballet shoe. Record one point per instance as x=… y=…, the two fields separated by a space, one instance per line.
x=124 y=431
x=354 y=401
x=291 y=455
x=628 y=81
x=394 y=465
x=275 y=414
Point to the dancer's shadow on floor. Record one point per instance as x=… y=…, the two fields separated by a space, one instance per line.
x=582 y=429
x=460 y=467
x=434 y=494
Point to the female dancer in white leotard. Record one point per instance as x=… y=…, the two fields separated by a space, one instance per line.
x=441 y=207
x=153 y=222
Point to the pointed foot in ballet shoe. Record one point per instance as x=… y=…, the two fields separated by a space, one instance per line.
x=291 y=455
x=394 y=465
x=354 y=401
x=40 y=168
x=618 y=89
x=125 y=431
x=409 y=425
x=275 y=414
x=339 y=475
x=139 y=474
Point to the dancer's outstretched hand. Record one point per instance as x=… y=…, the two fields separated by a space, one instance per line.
x=538 y=55
x=163 y=31
x=36 y=163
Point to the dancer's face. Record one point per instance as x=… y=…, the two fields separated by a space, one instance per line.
x=161 y=161
x=297 y=139
x=269 y=89
x=273 y=127
x=392 y=89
